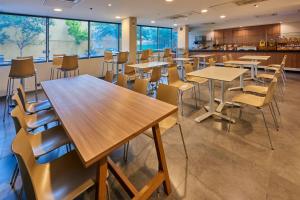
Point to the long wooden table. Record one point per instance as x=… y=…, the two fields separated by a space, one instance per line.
x=100 y=117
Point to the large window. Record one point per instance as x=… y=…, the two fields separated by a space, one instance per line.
x=68 y=37
x=164 y=38
x=103 y=36
x=22 y=36
x=174 y=39
x=138 y=38
x=149 y=37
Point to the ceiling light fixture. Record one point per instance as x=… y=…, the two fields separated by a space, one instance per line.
x=169 y=0
x=152 y=22
x=57 y=9
x=204 y=11
x=255 y=5
x=118 y=17
x=175 y=25
x=222 y=16
x=109 y=5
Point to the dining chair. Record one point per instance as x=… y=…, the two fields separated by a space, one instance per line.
x=230 y=56
x=122 y=80
x=109 y=76
x=130 y=72
x=165 y=70
x=32 y=107
x=155 y=77
x=167 y=53
x=194 y=79
x=182 y=86
x=259 y=103
x=141 y=86
x=122 y=58
x=167 y=94
x=69 y=64
x=225 y=59
x=107 y=59
x=268 y=76
x=56 y=63
x=63 y=178
x=20 y=69
x=145 y=56
x=211 y=62
x=275 y=67
x=36 y=120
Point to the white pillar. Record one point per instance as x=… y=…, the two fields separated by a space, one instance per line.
x=183 y=37
x=129 y=37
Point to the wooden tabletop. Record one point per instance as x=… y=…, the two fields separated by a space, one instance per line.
x=219 y=73
x=255 y=57
x=242 y=62
x=99 y=116
x=182 y=59
x=148 y=65
x=202 y=55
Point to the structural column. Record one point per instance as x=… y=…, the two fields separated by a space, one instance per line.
x=183 y=37
x=129 y=37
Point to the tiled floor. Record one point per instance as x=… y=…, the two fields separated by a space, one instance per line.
x=235 y=166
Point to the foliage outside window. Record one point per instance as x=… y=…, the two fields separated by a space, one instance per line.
x=22 y=36
x=68 y=37
x=174 y=39
x=149 y=37
x=164 y=38
x=103 y=36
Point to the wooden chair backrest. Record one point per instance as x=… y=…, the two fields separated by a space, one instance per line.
x=70 y=62
x=122 y=80
x=122 y=57
x=173 y=74
x=22 y=68
x=109 y=76
x=156 y=74
x=141 y=86
x=270 y=92
x=108 y=56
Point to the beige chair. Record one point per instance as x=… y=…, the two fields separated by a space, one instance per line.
x=194 y=79
x=109 y=76
x=69 y=64
x=108 y=59
x=269 y=77
x=168 y=94
x=122 y=80
x=130 y=72
x=56 y=63
x=275 y=67
x=259 y=103
x=230 y=56
x=167 y=53
x=141 y=86
x=32 y=107
x=225 y=59
x=36 y=120
x=122 y=59
x=20 y=69
x=155 y=77
x=145 y=56
x=175 y=81
x=63 y=178
x=211 y=62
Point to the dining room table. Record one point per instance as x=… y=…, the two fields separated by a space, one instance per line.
x=140 y=67
x=203 y=57
x=99 y=118
x=255 y=58
x=222 y=74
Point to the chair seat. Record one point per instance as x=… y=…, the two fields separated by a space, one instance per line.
x=274 y=65
x=40 y=119
x=59 y=183
x=38 y=106
x=183 y=86
x=196 y=79
x=256 y=89
x=48 y=140
x=272 y=68
x=249 y=99
x=265 y=76
x=164 y=125
x=109 y=61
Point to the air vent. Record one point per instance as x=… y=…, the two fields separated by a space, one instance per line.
x=61 y=3
x=267 y=15
x=247 y=2
x=208 y=23
x=176 y=17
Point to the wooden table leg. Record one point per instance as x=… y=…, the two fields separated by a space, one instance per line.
x=161 y=158
x=101 y=178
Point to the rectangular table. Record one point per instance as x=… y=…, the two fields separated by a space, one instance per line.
x=141 y=66
x=100 y=117
x=255 y=58
x=221 y=74
x=203 y=56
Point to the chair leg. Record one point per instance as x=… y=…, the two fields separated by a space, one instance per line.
x=126 y=148
x=273 y=109
x=13 y=177
x=181 y=102
x=6 y=99
x=199 y=92
x=277 y=107
x=267 y=129
x=194 y=90
x=35 y=85
x=183 y=142
x=275 y=122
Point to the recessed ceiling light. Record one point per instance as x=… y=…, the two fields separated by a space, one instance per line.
x=57 y=9
x=169 y=0
x=118 y=17
x=255 y=5
x=152 y=22
x=222 y=16
x=175 y=25
x=241 y=26
x=204 y=11
x=280 y=22
x=109 y=5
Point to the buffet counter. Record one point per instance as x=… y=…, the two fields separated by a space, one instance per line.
x=292 y=63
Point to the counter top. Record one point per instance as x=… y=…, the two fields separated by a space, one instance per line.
x=259 y=51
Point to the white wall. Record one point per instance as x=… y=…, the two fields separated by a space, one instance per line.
x=86 y=66
x=290 y=29
x=199 y=32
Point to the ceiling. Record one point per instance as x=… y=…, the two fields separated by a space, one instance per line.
x=269 y=11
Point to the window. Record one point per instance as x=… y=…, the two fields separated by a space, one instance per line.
x=103 y=36
x=149 y=37
x=164 y=38
x=22 y=36
x=174 y=39
x=68 y=37
x=138 y=38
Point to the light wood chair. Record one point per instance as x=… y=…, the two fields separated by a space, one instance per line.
x=141 y=86
x=275 y=67
x=32 y=107
x=230 y=56
x=107 y=59
x=211 y=62
x=167 y=53
x=269 y=77
x=130 y=72
x=144 y=56
x=20 y=69
x=109 y=76
x=36 y=120
x=122 y=80
x=56 y=63
x=182 y=86
x=168 y=94
x=225 y=59
x=122 y=59
x=155 y=77
x=194 y=79
x=69 y=64
x=63 y=178
x=259 y=103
